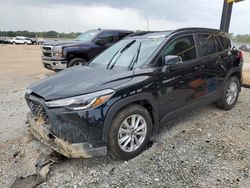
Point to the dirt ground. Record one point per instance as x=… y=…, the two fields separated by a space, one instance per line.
x=206 y=148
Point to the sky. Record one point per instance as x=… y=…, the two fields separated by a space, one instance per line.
x=81 y=15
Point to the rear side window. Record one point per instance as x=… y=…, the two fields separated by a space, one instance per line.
x=218 y=44
x=109 y=37
x=207 y=44
x=183 y=46
x=226 y=43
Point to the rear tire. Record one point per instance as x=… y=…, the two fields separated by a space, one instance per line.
x=76 y=62
x=130 y=132
x=230 y=94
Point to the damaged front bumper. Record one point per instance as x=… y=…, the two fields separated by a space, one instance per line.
x=71 y=150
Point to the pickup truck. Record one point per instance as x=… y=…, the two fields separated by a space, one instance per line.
x=58 y=55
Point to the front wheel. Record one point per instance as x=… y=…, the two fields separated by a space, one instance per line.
x=230 y=94
x=76 y=62
x=129 y=133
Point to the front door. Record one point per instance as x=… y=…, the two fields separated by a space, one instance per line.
x=185 y=84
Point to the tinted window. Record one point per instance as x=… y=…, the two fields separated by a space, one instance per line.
x=183 y=47
x=109 y=37
x=122 y=35
x=218 y=45
x=225 y=42
x=207 y=44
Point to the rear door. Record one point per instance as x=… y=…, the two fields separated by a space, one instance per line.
x=184 y=85
x=226 y=58
x=209 y=59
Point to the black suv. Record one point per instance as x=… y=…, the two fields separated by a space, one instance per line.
x=58 y=55
x=114 y=104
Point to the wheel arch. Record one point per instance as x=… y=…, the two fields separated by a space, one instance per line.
x=71 y=54
x=234 y=72
x=146 y=100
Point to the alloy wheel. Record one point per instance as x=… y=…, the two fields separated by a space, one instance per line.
x=132 y=133
x=232 y=92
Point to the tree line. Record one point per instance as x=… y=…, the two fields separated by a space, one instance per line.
x=45 y=34
x=243 y=38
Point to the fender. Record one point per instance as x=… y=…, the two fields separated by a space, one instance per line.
x=232 y=71
x=122 y=103
x=79 y=51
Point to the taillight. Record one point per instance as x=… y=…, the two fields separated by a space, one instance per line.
x=240 y=55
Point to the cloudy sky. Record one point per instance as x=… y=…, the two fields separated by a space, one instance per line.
x=81 y=15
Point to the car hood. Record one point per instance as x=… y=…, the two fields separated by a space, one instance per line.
x=79 y=80
x=65 y=43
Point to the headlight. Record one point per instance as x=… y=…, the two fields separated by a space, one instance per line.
x=83 y=102
x=57 y=51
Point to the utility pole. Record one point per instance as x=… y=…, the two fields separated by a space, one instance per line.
x=226 y=14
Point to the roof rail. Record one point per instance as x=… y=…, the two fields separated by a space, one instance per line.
x=197 y=29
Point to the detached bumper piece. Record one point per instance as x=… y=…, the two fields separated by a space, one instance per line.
x=70 y=150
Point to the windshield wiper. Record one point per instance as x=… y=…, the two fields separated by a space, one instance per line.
x=135 y=58
x=121 y=51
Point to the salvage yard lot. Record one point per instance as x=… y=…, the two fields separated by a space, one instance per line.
x=206 y=148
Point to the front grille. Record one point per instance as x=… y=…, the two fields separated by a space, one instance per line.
x=47 y=51
x=47 y=54
x=38 y=111
x=47 y=48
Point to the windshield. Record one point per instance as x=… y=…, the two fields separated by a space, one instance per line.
x=87 y=36
x=129 y=53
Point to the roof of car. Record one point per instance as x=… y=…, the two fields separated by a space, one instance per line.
x=155 y=34
x=118 y=30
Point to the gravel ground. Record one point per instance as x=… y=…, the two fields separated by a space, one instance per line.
x=205 y=148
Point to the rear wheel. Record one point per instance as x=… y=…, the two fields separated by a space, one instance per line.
x=230 y=94
x=129 y=133
x=76 y=62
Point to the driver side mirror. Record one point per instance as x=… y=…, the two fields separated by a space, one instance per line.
x=172 y=62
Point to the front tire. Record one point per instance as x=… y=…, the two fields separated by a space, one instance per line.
x=76 y=62
x=230 y=94
x=130 y=132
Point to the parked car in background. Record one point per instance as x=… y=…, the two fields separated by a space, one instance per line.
x=20 y=40
x=40 y=41
x=114 y=104
x=4 y=40
x=33 y=40
x=245 y=48
x=58 y=55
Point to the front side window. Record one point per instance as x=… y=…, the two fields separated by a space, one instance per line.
x=183 y=46
x=207 y=44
